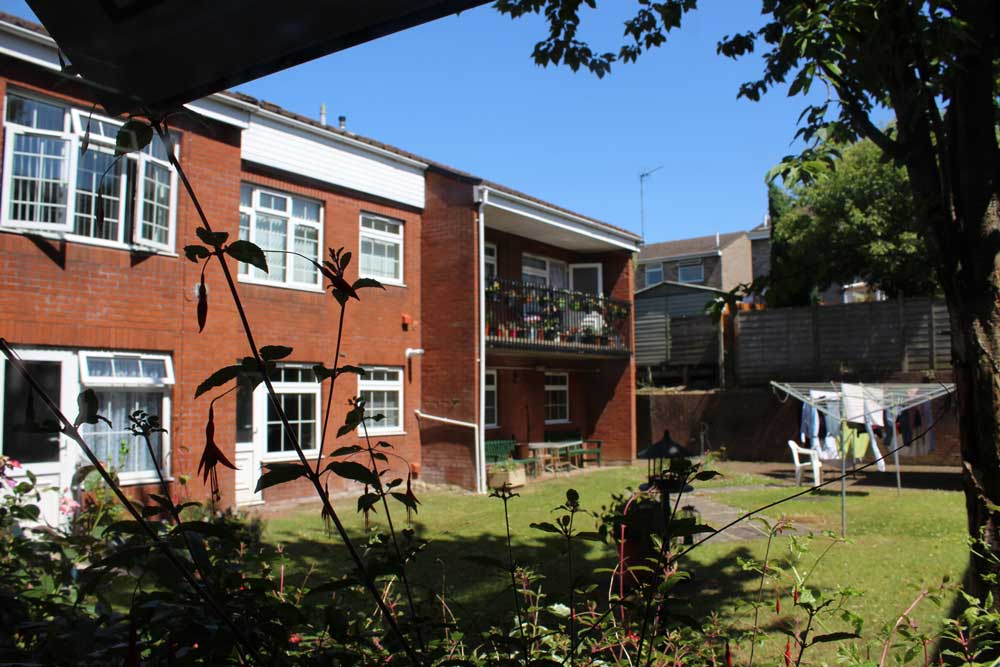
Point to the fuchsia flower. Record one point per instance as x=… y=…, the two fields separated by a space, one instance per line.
x=13 y=463
x=295 y=639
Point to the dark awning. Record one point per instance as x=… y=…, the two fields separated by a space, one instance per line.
x=159 y=54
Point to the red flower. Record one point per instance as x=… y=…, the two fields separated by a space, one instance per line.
x=212 y=456
x=777 y=603
x=729 y=655
x=788 y=652
x=295 y=639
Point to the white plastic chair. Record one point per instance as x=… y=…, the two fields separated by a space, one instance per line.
x=813 y=462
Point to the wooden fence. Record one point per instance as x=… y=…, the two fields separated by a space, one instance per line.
x=867 y=341
x=688 y=341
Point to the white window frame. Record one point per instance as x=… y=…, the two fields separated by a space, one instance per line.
x=700 y=265
x=547 y=273
x=384 y=237
x=74 y=129
x=379 y=427
x=490 y=260
x=649 y=268
x=247 y=274
x=261 y=402
x=558 y=387
x=495 y=390
x=164 y=387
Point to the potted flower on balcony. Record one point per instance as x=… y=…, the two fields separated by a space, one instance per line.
x=533 y=323
x=587 y=336
x=551 y=328
x=505 y=472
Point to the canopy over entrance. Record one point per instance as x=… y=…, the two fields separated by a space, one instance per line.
x=860 y=403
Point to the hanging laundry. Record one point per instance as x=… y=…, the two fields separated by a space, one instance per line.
x=927 y=417
x=874 y=402
x=827 y=445
x=854 y=402
x=905 y=422
x=879 y=461
x=806 y=423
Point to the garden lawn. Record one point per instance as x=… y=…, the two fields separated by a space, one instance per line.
x=896 y=547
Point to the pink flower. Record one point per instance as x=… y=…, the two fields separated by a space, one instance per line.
x=68 y=506
x=9 y=482
x=295 y=639
x=14 y=463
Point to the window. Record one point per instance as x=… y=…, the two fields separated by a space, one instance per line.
x=28 y=424
x=490 y=415
x=556 y=398
x=299 y=395
x=381 y=249
x=691 y=273
x=282 y=224
x=490 y=251
x=382 y=390
x=543 y=271
x=49 y=184
x=654 y=273
x=123 y=384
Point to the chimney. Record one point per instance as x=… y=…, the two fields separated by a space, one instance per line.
x=716 y=239
x=322 y=113
x=343 y=122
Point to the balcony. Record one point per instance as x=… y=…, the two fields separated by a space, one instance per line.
x=523 y=316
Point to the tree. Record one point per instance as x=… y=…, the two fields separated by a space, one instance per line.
x=936 y=65
x=854 y=223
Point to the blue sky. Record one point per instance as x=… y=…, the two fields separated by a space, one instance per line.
x=464 y=91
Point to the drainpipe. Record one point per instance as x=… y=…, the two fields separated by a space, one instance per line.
x=481 y=198
x=455 y=422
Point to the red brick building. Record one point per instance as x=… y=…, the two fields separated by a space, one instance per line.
x=109 y=302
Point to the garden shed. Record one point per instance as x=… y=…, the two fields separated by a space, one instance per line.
x=675 y=340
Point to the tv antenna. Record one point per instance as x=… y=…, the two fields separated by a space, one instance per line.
x=642 y=200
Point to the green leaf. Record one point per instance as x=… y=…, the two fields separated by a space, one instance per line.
x=706 y=475
x=834 y=637
x=196 y=252
x=274 y=352
x=357 y=370
x=214 y=239
x=406 y=499
x=367 y=282
x=353 y=470
x=367 y=501
x=245 y=251
x=133 y=136
x=545 y=527
x=279 y=473
x=344 y=451
x=217 y=379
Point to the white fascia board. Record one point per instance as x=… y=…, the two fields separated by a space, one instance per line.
x=759 y=234
x=557 y=218
x=326 y=134
x=29 y=46
x=216 y=108
x=688 y=255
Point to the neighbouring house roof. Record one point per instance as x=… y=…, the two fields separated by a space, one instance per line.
x=673 y=285
x=153 y=55
x=237 y=98
x=699 y=246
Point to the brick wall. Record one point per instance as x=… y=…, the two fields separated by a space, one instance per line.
x=753 y=425
x=451 y=311
x=760 y=253
x=737 y=267
x=74 y=295
x=712 y=267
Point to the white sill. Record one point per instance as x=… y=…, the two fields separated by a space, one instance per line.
x=313 y=289
x=138 y=481
x=285 y=457
x=85 y=240
x=385 y=281
x=381 y=434
x=491 y=427
x=558 y=421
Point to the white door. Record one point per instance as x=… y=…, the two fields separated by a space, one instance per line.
x=247 y=458
x=26 y=424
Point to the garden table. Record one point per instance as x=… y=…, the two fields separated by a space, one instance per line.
x=550 y=453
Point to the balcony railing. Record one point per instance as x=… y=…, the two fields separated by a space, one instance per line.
x=525 y=316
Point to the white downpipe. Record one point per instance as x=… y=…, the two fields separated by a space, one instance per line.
x=481 y=413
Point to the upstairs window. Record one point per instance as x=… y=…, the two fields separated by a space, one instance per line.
x=381 y=249
x=691 y=273
x=283 y=224
x=50 y=185
x=654 y=273
x=490 y=260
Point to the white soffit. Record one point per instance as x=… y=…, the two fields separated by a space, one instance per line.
x=515 y=215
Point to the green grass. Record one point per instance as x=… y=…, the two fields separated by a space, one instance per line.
x=896 y=546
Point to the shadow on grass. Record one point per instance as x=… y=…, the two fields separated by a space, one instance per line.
x=450 y=586
x=945 y=479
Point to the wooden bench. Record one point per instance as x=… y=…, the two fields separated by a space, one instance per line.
x=588 y=451
x=502 y=450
